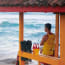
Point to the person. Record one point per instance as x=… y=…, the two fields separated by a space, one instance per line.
x=48 y=42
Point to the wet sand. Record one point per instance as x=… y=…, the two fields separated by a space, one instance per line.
x=2 y=63
x=8 y=62
x=13 y=62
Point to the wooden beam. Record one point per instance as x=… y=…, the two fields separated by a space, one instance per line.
x=33 y=9
x=21 y=29
x=45 y=59
x=57 y=35
x=62 y=38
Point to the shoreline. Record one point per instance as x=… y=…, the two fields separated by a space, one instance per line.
x=13 y=62
x=8 y=62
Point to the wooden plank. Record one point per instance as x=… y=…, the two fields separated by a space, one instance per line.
x=21 y=29
x=57 y=35
x=32 y=9
x=45 y=59
x=62 y=38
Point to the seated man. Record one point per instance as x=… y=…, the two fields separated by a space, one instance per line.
x=48 y=42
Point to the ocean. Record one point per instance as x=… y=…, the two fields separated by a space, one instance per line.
x=33 y=30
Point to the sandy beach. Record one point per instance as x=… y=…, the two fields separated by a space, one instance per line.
x=1 y=63
x=13 y=62
x=8 y=62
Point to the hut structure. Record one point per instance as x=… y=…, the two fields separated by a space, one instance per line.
x=55 y=6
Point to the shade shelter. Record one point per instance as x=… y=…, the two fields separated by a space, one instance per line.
x=55 y=6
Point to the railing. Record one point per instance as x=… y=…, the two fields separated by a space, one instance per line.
x=43 y=58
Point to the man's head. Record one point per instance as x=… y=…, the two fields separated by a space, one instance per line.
x=47 y=27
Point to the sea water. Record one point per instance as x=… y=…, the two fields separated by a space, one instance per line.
x=33 y=30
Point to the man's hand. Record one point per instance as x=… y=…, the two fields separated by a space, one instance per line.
x=41 y=51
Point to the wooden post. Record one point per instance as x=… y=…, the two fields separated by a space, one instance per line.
x=62 y=37
x=21 y=29
x=57 y=35
x=39 y=63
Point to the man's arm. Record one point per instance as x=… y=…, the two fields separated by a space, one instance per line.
x=43 y=40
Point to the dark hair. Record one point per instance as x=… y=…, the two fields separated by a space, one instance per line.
x=48 y=25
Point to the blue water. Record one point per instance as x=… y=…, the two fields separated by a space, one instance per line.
x=33 y=30
x=9 y=39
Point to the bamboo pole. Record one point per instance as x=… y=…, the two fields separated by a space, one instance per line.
x=21 y=29
x=39 y=63
x=62 y=38
x=57 y=35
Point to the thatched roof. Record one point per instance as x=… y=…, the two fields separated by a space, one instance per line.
x=46 y=3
